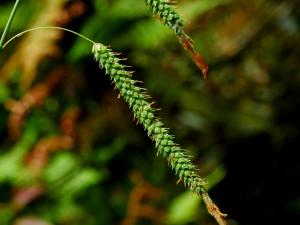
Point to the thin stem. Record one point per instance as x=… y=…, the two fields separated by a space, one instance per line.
x=7 y=26
x=47 y=27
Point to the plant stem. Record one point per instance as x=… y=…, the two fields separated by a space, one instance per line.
x=7 y=26
x=46 y=27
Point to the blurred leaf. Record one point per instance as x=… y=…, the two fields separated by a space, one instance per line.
x=6 y=215
x=184 y=209
x=11 y=162
x=82 y=180
x=4 y=93
x=60 y=166
x=193 y=9
x=106 y=153
x=65 y=175
x=215 y=177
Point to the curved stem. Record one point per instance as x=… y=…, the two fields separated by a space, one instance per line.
x=47 y=27
x=7 y=26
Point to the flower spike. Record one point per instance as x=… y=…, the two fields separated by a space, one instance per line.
x=137 y=99
x=165 y=10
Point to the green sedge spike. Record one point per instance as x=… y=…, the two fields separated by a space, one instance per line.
x=165 y=10
x=137 y=99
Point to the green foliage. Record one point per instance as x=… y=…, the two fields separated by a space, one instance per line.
x=65 y=177
x=11 y=166
x=252 y=90
x=178 y=213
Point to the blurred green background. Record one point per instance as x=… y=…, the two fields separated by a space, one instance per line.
x=71 y=153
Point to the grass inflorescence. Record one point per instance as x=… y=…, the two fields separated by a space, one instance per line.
x=165 y=10
x=137 y=99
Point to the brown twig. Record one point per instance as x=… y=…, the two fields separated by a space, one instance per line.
x=213 y=209
x=40 y=153
x=188 y=45
x=24 y=195
x=136 y=209
x=33 y=98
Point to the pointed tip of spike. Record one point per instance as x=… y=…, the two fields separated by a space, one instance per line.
x=204 y=73
x=187 y=44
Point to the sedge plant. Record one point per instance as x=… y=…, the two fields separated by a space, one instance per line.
x=137 y=98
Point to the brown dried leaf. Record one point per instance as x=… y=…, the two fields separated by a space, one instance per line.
x=24 y=196
x=30 y=221
x=39 y=156
x=34 y=97
x=136 y=208
x=197 y=58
